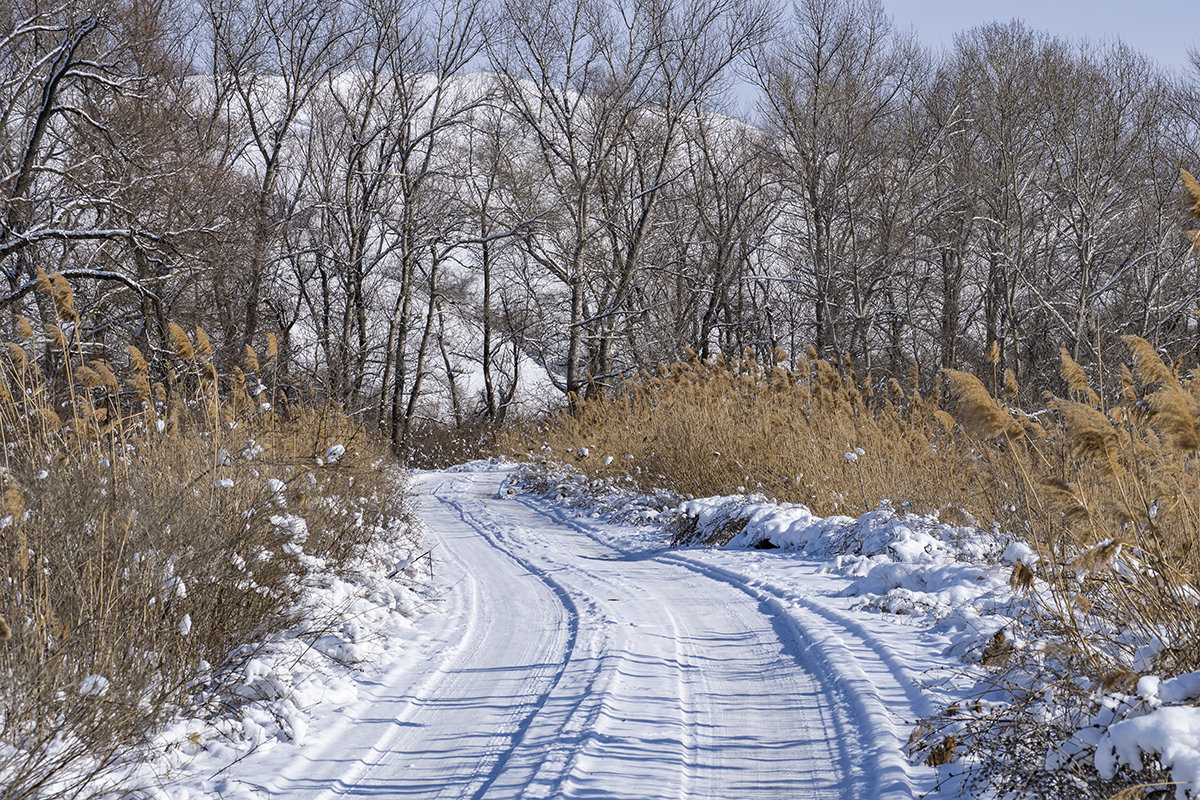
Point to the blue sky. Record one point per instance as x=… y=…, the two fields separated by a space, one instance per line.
x=1163 y=30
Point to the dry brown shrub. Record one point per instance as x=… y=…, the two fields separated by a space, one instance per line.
x=709 y=428
x=107 y=516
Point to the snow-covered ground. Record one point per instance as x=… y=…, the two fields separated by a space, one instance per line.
x=569 y=654
x=573 y=657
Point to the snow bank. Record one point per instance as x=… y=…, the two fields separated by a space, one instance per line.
x=1160 y=720
x=345 y=624
x=901 y=563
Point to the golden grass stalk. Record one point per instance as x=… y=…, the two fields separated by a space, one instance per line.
x=63 y=297
x=250 y=359
x=1011 y=388
x=1075 y=377
x=1089 y=433
x=17 y=354
x=14 y=501
x=42 y=282
x=87 y=377
x=1171 y=415
x=1191 y=193
x=978 y=411
x=203 y=345
x=24 y=329
x=56 y=336
x=137 y=362
x=272 y=346
x=107 y=378
x=1147 y=365
x=181 y=343
x=1061 y=497
x=140 y=383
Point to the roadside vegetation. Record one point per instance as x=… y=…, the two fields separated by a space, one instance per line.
x=1101 y=480
x=149 y=528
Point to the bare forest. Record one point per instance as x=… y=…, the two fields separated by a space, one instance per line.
x=445 y=210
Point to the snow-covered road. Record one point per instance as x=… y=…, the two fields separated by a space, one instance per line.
x=568 y=660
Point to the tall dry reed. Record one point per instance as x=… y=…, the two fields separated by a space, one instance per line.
x=1108 y=491
x=140 y=537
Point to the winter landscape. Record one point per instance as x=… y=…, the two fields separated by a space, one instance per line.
x=488 y=399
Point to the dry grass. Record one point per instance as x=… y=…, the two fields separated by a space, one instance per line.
x=779 y=430
x=140 y=536
x=798 y=432
x=1104 y=484
x=1108 y=493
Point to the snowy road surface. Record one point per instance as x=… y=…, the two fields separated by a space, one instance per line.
x=569 y=661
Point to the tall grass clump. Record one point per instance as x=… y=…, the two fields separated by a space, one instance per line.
x=1104 y=484
x=150 y=524
x=1108 y=484
x=802 y=432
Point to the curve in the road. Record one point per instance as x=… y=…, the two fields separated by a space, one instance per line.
x=567 y=666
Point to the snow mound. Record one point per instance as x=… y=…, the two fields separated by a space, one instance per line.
x=902 y=563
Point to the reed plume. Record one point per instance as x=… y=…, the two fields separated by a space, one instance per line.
x=41 y=282
x=107 y=378
x=203 y=345
x=1075 y=377
x=250 y=359
x=1147 y=365
x=87 y=377
x=181 y=343
x=63 y=297
x=137 y=362
x=1089 y=432
x=978 y=411
x=57 y=337
x=1171 y=415
x=1011 y=388
x=1191 y=194
x=19 y=358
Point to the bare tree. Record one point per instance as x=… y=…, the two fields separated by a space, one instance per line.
x=830 y=83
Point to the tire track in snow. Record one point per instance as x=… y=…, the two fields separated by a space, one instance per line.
x=590 y=704
x=861 y=675
x=827 y=652
x=382 y=744
x=816 y=713
x=567 y=667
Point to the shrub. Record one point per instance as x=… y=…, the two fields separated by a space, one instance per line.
x=147 y=530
